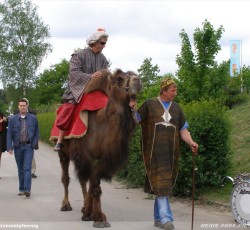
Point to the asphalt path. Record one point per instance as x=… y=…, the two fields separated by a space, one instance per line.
x=124 y=208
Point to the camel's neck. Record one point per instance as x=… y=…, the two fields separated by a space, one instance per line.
x=118 y=102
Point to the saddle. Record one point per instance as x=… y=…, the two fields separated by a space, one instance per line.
x=90 y=102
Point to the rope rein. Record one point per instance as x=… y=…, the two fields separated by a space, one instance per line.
x=126 y=89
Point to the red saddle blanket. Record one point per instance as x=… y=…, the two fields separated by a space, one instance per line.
x=90 y=102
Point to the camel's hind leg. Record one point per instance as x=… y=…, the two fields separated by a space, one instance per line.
x=65 y=179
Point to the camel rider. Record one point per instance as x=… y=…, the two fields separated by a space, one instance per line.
x=84 y=65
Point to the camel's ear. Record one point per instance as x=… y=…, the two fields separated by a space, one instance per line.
x=111 y=78
x=116 y=74
x=118 y=71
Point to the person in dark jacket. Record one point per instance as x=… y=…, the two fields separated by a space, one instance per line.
x=33 y=168
x=3 y=132
x=32 y=111
x=22 y=137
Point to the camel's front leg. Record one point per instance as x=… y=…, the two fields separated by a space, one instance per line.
x=87 y=203
x=65 y=179
x=100 y=220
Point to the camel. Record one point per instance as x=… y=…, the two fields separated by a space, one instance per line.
x=103 y=151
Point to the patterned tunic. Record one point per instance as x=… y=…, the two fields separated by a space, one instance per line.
x=82 y=65
x=160 y=143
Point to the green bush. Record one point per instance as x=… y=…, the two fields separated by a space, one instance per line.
x=210 y=128
x=233 y=94
x=134 y=173
x=45 y=121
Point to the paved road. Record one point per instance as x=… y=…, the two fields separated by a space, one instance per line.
x=125 y=208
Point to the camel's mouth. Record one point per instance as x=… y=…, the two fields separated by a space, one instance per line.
x=132 y=96
x=136 y=86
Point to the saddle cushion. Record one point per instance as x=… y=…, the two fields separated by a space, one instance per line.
x=90 y=102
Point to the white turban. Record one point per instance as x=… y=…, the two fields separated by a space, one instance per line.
x=96 y=36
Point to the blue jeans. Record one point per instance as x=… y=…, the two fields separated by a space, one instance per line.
x=24 y=155
x=162 y=210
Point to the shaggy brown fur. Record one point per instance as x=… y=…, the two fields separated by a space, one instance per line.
x=104 y=149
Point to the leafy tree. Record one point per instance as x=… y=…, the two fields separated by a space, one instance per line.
x=150 y=80
x=197 y=69
x=51 y=83
x=22 y=43
x=13 y=94
x=3 y=102
x=246 y=79
x=148 y=73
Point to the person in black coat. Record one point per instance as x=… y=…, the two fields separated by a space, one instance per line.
x=3 y=133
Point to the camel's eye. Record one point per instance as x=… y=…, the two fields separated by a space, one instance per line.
x=119 y=81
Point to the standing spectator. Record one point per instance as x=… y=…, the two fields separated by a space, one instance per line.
x=22 y=137
x=3 y=132
x=33 y=167
x=84 y=65
x=163 y=125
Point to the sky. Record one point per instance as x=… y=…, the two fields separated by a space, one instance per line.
x=141 y=29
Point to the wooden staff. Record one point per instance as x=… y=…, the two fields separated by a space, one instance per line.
x=193 y=190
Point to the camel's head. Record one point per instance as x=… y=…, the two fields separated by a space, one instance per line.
x=129 y=82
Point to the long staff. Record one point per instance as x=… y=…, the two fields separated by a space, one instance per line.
x=193 y=191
